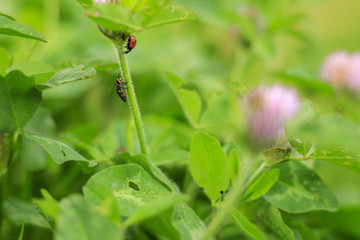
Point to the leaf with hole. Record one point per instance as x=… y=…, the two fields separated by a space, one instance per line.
x=150 y=168
x=11 y=27
x=130 y=184
x=19 y=100
x=59 y=152
x=209 y=165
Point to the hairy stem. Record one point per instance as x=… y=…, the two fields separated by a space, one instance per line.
x=236 y=191
x=131 y=98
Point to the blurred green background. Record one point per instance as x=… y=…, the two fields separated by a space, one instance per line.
x=246 y=43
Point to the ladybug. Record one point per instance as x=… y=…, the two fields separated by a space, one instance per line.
x=120 y=87
x=131 y=43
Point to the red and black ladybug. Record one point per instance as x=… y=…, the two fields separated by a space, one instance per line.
x=120 y=88
x=131 y=43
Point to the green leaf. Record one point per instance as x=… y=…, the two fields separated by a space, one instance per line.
x=33 y=156
x=20 y=211
x=134 y=5
x=11 y=27
x=150 y=168
x=335 y=139
x=271 y=216
x=337 y=155
x=19 y=100
x=169 y=15
x=48 y=204
x=234 y=164
x=187 y=223
x=41 y=71
x=68 y=75
x=246 y=226
x=4 y=61
x=189 y=100
x=22 y=231
x=85 y=3
x=79 y=220
x=131 y=185
x=261 y=185
x=7 y=16
x=59 y=152
x=276 y=155
x=209 y=165
x=153 y=208
x=113 y=17
x=299 y=189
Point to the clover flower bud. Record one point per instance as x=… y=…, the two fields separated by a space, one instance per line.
x=269 y=109
x=353 y=74
x=335 y=69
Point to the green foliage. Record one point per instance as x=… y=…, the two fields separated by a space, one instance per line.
x=305 y=190
x=78 y=219
x=77 y=163
x=130 y=184
x=149 y=15
x=261 y=185
x=271 y=216
x=169 y=15
x=39 y=70
x=153 y=208
x=187 y=222
x=276 y=155
x=189 y=100
x=66 y=76
x=10 y=27
x=209 y=165
x=59 y=152
x=246 y=226
x=19 y=100
x=113 y=17
x=48 y=204
x=21 y=211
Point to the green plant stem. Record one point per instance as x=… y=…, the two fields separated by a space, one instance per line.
x=237 y=189
x=131 y=97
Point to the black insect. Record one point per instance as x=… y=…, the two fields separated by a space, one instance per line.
x=120 y=87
